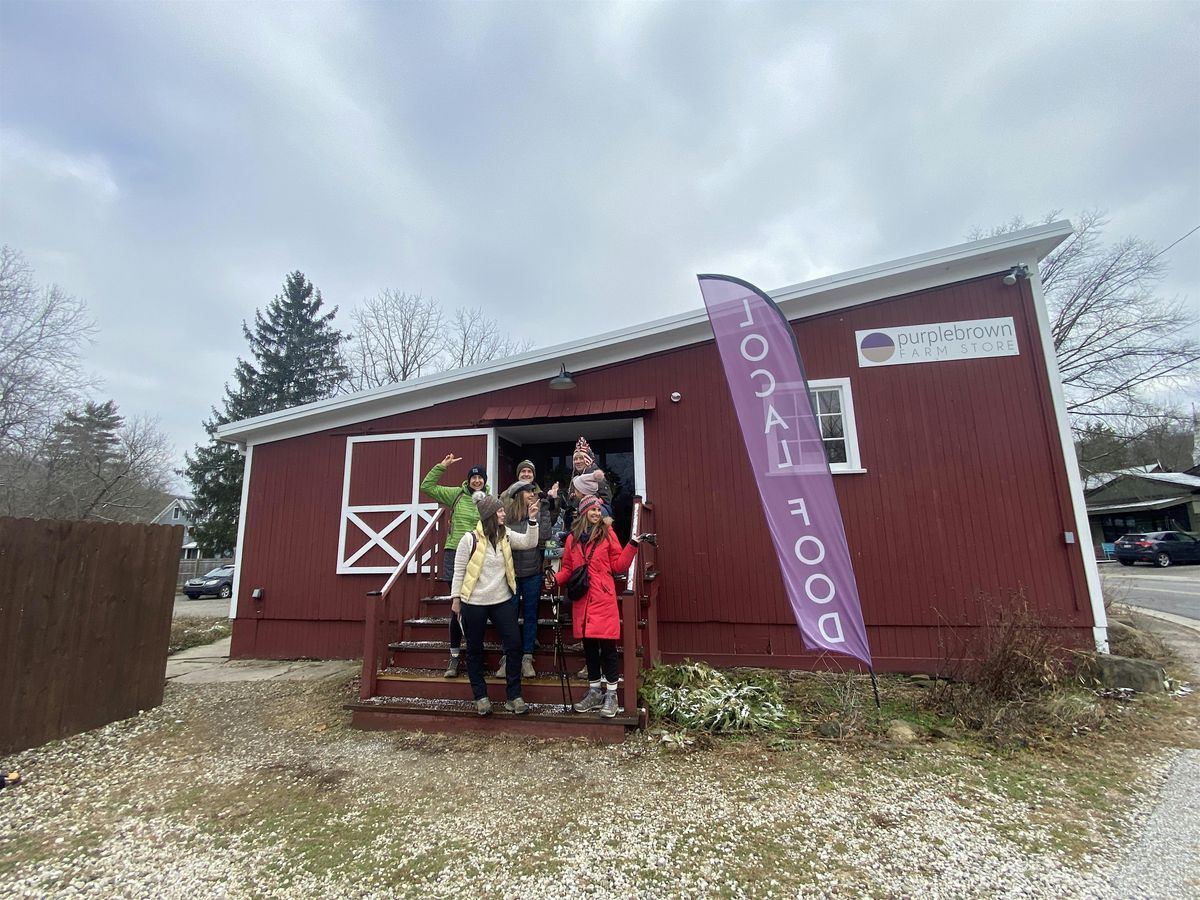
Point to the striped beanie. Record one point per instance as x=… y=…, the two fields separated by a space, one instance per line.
x=589 y=502
x=582 y=446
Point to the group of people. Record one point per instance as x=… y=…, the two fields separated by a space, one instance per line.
x=494 y=560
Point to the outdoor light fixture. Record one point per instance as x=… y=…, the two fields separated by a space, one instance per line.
x=563 y=381
x=1015 y=274
x=256 y=594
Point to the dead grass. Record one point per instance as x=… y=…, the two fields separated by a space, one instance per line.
x=187 y=633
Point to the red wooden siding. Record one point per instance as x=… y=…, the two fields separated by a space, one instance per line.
x=963 y=504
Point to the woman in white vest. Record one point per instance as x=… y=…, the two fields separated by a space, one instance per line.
x=484 y=582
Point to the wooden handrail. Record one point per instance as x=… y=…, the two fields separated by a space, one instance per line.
x=411 y=550
x=377 y=599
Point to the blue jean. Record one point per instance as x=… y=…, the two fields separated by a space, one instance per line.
x=529 y=592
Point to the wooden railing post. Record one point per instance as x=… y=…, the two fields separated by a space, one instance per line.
x=629 y=613
x=370 y=666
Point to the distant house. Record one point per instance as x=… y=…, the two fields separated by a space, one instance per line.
x=178 y=512
x=1139 y=501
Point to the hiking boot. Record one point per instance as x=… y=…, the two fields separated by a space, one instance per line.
x=483 y=706
x=527 y=670
x=609 y=709
x=517 y=706
x=502 y=672
x=451 y=668
x=593 y=699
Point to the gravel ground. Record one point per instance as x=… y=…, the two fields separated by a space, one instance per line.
x=1165 y=860
x=260 y=790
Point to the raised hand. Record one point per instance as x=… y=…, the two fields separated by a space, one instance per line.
x=553 y=492
x=534 y=507
x=451 y=459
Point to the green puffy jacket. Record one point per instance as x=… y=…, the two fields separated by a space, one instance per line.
x=465 y=515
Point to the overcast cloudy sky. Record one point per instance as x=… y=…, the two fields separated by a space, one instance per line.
x=567 y=166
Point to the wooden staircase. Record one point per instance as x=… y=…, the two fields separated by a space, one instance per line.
x=406 y=648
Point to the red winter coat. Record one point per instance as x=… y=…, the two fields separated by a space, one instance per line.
x=595 y=614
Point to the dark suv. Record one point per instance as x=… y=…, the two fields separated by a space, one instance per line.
x=1163 y=548
x=217 y=583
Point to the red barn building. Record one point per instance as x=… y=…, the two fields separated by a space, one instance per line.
x=951 y=455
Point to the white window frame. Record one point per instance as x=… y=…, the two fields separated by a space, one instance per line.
x=416 y=515
x=853 y=463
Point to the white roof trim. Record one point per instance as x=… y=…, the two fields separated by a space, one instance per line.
x=914 y=273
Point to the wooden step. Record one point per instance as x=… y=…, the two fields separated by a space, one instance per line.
x=432 y=654
x=433 y=627
x=431 y=685
x=459 y=716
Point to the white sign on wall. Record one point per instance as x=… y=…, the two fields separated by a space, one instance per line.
x=937 y=342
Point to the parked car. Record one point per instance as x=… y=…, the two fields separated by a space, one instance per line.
x=1162 y=548
x=217 y=583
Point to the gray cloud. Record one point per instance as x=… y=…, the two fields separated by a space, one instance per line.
x=569 y=167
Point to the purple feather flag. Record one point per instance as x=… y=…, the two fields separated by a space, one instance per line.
x=783 y=442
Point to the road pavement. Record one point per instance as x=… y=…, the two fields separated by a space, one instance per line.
x=195 y=609
x=1175 y=590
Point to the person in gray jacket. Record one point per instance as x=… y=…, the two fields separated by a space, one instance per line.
x=528 y=564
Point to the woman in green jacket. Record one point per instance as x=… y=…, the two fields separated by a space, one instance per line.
x=464 y=516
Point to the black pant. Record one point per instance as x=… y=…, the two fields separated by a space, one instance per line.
x=601 y=653
x=504 y=617
x=447 y=575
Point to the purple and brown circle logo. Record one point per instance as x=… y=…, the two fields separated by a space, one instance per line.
x=877 y=347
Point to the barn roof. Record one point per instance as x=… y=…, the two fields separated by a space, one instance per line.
x=890 y=279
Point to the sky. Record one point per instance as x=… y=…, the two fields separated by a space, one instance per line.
x=567 y=166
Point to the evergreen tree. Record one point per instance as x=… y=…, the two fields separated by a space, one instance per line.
x=296 y=360
x=82 y=462
x=96 y=465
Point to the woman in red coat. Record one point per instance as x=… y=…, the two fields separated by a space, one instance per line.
x=597 y=620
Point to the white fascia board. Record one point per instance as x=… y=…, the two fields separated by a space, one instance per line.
x=890 y=279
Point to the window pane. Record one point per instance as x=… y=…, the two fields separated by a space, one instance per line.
x=829 y=401
x=835 y=451
x=831 y=427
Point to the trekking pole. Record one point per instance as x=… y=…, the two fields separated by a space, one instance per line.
x=560 y=655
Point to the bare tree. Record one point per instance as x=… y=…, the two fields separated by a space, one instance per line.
x=42 y=333
x=473 y=337
x=1115 y=338
x=97 y=465
x=397 y=336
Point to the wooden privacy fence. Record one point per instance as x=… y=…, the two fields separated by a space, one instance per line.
x=85 y=620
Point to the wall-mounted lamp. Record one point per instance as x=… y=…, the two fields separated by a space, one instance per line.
x=563 y=381
x=676 y=396
x=256 y=594
x=1015 y=274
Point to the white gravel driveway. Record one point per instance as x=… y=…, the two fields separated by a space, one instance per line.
x=259 y=790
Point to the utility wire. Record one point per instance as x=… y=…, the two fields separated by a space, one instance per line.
x=1173 y=243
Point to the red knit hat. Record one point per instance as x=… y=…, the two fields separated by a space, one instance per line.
x=588 y=502
x=582 y=446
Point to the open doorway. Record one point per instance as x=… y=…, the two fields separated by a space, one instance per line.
x=549 y=447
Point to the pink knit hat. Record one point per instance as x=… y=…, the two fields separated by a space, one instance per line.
x=588 y=484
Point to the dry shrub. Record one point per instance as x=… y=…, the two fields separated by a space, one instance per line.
x=1126 y=639
x=1012 y=681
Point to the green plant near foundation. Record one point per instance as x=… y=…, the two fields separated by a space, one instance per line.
x=696 y=696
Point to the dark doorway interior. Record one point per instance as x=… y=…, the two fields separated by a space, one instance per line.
x=553 y=461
